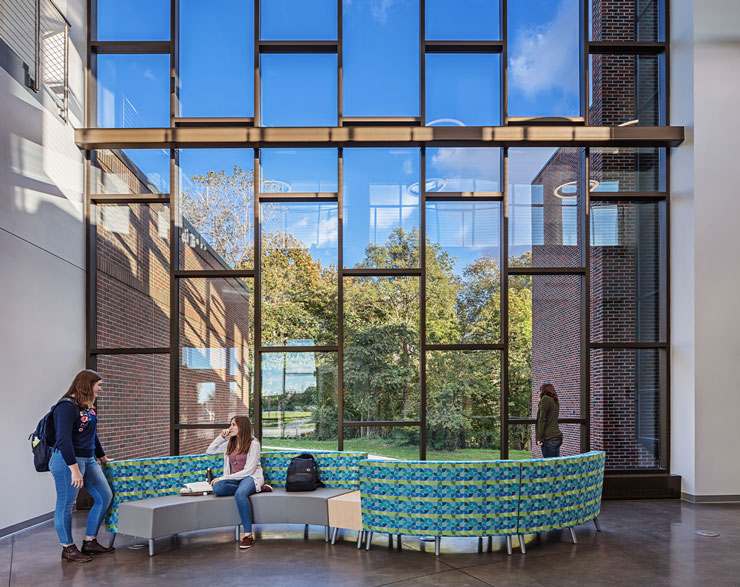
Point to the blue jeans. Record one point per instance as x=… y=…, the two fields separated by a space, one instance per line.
x=241 y=489
x=96 y=485
x=551 y=448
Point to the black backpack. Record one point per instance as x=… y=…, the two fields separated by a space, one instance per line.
x=43 y=439
x=302 y=474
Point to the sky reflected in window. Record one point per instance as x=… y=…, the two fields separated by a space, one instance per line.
x=134 y=20
x=462 y=20
x=299 y=170
x=298 y=20
x=463 y=169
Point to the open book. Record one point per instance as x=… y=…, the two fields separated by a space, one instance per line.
x=197 y=487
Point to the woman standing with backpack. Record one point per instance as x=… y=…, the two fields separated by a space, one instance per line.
x=242 y=470
x=73 y=465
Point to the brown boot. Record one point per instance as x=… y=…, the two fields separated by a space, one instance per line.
x=94 y=547
x=72 y=555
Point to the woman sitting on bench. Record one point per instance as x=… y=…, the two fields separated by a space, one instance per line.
x=242 y=470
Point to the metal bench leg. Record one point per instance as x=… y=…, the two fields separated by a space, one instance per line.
x=326 y=533
x=437 y=540
x=573 y=535
x=390 y=540
x=368 y=539
x=508 y=545
x=334 y=534
x=398 y=542
x=480 y=544
x=596 y=521
x=237 y=529
x=305 y=532
x=360 y=535
x=151 y=547
x=521 y=544
x=112 y=538
x=490 y=544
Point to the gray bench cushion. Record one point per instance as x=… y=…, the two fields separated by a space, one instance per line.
x=171 y=514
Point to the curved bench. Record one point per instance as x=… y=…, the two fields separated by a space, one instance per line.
x=480 y=498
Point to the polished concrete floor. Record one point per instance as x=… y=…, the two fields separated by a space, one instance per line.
x=642 y=543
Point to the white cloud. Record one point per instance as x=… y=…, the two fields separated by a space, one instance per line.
x=542 y=56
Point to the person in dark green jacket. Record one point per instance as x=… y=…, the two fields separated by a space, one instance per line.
x=549 y=437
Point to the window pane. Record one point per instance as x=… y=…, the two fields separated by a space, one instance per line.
x=462 y=169
x=133 y=20
x=463 y=405
x=381 y=348
x=299 y=90
x=463 y=272
x=626 y=90
x=299 y=274
x=133 y=90
x=380 y=58
x=216 y=349
x=298 y=20
x=544 y=59
x=627 y=272
x=462 y=20
x=544 y=342
x=625 y=406
x=217 y=205
x=627 y=169
x=626 y=20
x=195 y=441
x=381 y=200
x=299 y=170
x=130 y=171
x=299 y=400
x=217 y=58
x=545 y=195
x=393 y=442
x=133 y=275
x=134 y=386
x=463 y=89
x=523 y=443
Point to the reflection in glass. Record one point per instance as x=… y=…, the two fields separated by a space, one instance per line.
x=523 y=443
x=216 y=349
x=462 y=20
x=544 y=342
x=381 y=207
x=463 y=169
x=626 y=388
x=545 y=195
x=217 y=206
x=133 y=266
x=217 y=59
x=626 y=90
x=298 y=20
x=130 y=171
x=627 y=271
x=463 y=89
x=299 y=400
x=299 y=170
x=133 y=20
x=393 y=442
x=133 y=90
x=135 y=384
x=299 y=273
x=463 y=405
x=543 y=55
x=299 y=89
x=380 y=58
x=626 y=20
x=463 y=272
x=381 y=349
x=626 y=169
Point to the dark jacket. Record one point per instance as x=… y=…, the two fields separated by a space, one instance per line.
x=547 y=420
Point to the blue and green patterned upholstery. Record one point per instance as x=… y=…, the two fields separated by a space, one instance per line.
x=438 y=498
x=337 y=469
x=560 y=492
x=136 y=479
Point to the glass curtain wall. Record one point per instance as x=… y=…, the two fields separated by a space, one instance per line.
x=406 y=301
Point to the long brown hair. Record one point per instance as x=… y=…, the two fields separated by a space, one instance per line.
x=240 y=443
x=549 y=389
x=81 y=390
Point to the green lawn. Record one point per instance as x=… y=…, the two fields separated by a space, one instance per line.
x=380 y=448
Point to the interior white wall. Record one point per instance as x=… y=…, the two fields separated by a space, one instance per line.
x=705 y=247
x=42 y=271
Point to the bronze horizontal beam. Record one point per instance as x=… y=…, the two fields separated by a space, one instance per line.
x=370 y=136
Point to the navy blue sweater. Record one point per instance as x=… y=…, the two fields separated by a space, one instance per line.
x=77 y=432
